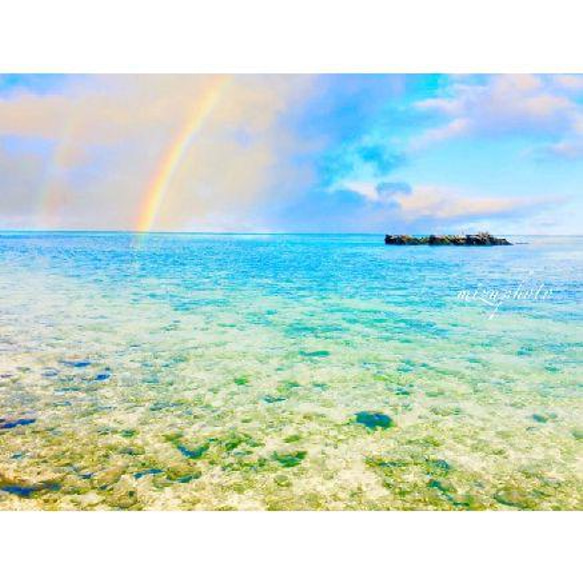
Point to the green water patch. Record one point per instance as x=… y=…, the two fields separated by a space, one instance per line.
x=128 y=433
x=282 y=481
x=188 y=451
x=235 y=440
x=274 y=398
x=192 y=453
x=162 y=405
x=133 y=450
x=289 y=460
x=543 y=417
x=314 y=353
x=515 y=498
x=446 y=411
x=187 y=478
x=299 y=330
x=288 y=385
x=426 y=480
x=282 y=392
x=373 y=420
x=148 y=472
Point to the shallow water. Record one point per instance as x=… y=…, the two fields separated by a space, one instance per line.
x=288 y=372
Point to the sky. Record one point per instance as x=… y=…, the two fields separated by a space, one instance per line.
x=292 y=153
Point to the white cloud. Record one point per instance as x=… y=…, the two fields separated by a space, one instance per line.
x=506 y=104
x=570 y=82
x=107 y=135
x=444 y=205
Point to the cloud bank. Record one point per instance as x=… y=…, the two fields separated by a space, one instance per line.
x=281 y=152
x=523 y=105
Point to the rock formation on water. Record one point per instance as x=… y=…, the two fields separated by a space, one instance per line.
x=481 y=239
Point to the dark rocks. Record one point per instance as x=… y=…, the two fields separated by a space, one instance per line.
x=103 y=376
x=234 y=441
x=109 y=476
x=289 y=460
x=315 y=353
x=10 y=424
x=26 y=490
x=510 y=496
x=274 y=399
x=128 y=433
x=72 y=389
x=150 y=472
x=191 y=453
x=439 y=465
x=374 y=420
x=188 y=478
x=479 y=240
x=77 y=363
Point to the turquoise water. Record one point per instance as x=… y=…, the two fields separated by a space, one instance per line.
x=288 y=372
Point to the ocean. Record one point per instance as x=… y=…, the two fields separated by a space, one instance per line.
x=288 y=372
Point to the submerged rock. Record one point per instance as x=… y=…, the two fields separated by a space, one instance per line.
x=10 y=424
x=374 y=420
x=273 y=399
x=128 y=433
x=109 y=476
x=26 y=490
x=443 y=486
x=193 y=453
x=440 y=465
x=188 y=478
x=289 y=460
x=103 y=376
x=479 y=240
x=315 y=353
x=150 y=472
x=282 y=481
x=509 y=496
x=235 y=440
x=77 y=363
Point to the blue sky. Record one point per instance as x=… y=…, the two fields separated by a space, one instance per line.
x=340 y=153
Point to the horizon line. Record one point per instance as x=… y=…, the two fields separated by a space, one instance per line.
x=146 y=233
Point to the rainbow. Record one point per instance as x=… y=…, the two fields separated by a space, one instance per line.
x=158 y=187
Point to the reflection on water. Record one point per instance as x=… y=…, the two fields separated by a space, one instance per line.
x=286 y=372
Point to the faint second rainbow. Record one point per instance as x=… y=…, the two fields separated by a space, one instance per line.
x=172 y=157
x=50 y=190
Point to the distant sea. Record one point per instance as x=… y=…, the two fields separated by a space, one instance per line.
x=288 y=372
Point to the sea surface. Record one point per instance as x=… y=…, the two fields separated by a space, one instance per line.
x=280 y=372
